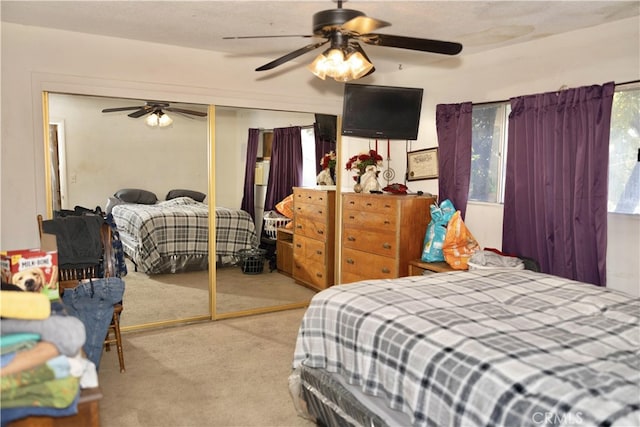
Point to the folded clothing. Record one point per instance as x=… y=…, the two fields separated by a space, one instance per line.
x=24 y=305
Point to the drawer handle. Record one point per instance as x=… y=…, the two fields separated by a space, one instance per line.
x=368 y=204
x=319 y=252
x=386 y=245
x=320 y=231
x=387 y=206
x=320 y=212
x=352 y=217
x=387 y=222
x=298 y=226
x=319 y=275
x=350 y=261
x=352 y=202
x=386 y=270
x=351 y=238
x=298 y=245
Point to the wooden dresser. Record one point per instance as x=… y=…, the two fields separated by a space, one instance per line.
x=381 y=233
x=314 y=237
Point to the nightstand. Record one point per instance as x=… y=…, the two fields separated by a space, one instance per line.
x=417 y=267
x=284 y=250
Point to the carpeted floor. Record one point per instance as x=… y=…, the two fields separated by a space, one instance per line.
x=152 y=298
x=221 y=373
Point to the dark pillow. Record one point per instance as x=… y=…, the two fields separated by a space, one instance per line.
x=134 y=195
x=195 y=195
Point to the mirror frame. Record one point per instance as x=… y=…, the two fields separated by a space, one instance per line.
x=212 y=277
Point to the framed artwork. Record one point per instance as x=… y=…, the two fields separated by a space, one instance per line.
x=422 y=164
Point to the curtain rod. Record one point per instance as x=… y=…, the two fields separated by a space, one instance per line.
x=563 y=87
x=301 y=127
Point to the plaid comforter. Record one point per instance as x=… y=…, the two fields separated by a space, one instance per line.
x=482 y=348
x=179 y=227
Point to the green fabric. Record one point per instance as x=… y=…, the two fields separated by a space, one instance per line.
x=36 y=375
x=55 y=394
x=10 y=343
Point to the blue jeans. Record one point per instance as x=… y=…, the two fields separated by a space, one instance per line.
x=92 y=302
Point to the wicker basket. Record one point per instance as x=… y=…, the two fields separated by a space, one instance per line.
x=251 y=260
x=273 y=221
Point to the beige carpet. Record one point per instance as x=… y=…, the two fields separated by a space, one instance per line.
x=153 y=298
x=220 y=373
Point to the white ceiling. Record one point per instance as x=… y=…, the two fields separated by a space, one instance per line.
x=478 y=25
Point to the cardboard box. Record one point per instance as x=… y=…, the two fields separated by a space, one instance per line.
x=34 y=270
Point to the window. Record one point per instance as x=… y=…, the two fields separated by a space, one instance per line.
x=624 y=151
x=488 y=152
x=489 y=148
x=308 y=157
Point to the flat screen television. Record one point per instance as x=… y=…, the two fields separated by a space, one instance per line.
x=327 y=126
x=386 y=112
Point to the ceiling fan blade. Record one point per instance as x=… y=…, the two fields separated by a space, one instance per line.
x=290 y=56
x=424 y=45
x=265 y=37
x=192 y=112
x=111 y=110
x=141 y=112
x=363 y=25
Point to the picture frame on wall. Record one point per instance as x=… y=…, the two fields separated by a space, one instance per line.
x=422 y=164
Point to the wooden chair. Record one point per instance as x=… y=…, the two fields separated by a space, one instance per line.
x=68 y=278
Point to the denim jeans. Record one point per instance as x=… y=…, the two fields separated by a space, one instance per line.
x=92 y=302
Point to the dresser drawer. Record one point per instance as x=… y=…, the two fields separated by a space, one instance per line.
x=316 y=229
x=375 y=242
x=311 y=249
x=303 y=195
x=310 y=210
x=369 y=220
x=358 y=265
x=313 y=273
x=377 y=203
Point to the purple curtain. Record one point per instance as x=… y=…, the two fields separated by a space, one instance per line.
x=322 y=147
x=285 y=171
x=453 y=124
x=555 y=208
x=248 y=200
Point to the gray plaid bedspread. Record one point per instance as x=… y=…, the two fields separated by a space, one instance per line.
x=179 y=227
x=482 y=348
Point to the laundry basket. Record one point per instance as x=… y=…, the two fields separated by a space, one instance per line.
x=272 y=221
x=251 y=260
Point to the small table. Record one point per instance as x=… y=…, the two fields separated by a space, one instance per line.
x=417 y=267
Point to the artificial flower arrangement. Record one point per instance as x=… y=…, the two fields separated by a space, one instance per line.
x=360 y=162
x=329 y=161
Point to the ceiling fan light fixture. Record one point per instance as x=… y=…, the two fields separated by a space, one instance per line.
x=358 y=65
x=333 y=63
x=164 y=120
x=158 y=119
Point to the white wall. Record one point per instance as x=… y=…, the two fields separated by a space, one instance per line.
x=109 y=151
x=34 y=59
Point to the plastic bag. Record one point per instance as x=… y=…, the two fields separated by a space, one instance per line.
x=459 y=244
x=436 y=231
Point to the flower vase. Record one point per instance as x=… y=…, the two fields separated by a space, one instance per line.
x=357 y=187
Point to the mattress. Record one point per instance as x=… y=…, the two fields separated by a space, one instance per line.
x=502 y=347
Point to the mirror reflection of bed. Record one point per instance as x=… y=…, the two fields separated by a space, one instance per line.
x=101 y=153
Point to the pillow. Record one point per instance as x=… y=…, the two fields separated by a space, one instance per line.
x=285 y=207
x=134 y=195
x=195 y=195
x=111 y=202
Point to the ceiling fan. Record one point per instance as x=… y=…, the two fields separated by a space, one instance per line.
x=345 y=59
x=153 y=107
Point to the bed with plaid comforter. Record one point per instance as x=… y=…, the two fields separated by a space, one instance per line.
x=482 y=348
x=155 y=236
